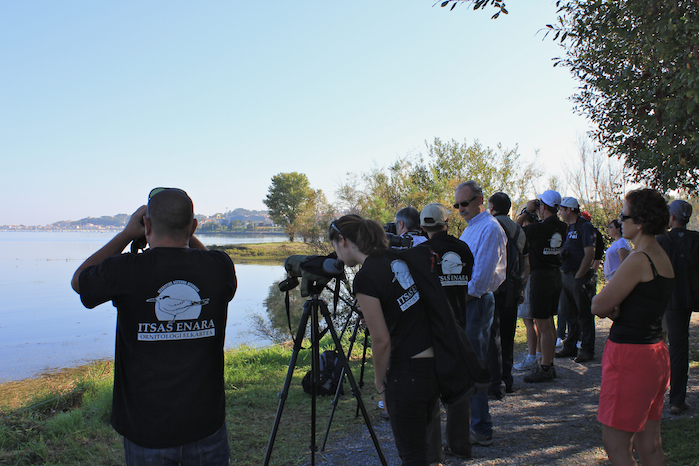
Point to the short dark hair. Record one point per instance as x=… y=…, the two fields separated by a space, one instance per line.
x=648 y=208
x=410 y=216
x=368 y=235
x=171 y=212
x=615 y=223
x=501 y=203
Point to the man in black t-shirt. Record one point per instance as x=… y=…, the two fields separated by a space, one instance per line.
x=454 y=268
x=544 y=244
x=171 y=301
x=578 y=254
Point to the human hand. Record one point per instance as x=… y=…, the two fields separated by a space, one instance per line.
x=615 y=313
x=135 y=227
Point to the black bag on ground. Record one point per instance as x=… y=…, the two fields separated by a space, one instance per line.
x=330 y=370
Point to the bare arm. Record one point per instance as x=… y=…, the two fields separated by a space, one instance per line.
x=632 y=271
x=194 y=243
x=623 y=254
x=586 y=263
x=380 y=338
x=134 y=229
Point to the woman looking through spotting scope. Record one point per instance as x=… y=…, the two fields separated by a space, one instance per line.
x=390 y=303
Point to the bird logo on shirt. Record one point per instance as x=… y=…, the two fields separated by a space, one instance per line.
x=178 y=300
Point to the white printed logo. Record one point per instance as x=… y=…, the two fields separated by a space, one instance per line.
x=452 y=269
x=178 y=299
x=402 y=274
x=177 y=307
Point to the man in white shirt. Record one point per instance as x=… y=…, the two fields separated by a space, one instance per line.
x=488 y=243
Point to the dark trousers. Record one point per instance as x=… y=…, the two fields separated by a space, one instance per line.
x=575 y=306
x=678 y=337
x=213 y=450
x=501 y=344
x=412 y=392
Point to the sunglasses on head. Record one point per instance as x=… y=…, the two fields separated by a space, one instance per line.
x=155 y=191
x=465 y=203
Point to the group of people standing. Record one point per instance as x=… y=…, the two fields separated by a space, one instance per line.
x=439 y=315
x=561 y=252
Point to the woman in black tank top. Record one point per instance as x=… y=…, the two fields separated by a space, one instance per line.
x=636 y=362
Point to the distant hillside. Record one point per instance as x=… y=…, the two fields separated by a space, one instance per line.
x=104 y=221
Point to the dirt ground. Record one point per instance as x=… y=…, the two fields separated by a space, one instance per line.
x=553 y=423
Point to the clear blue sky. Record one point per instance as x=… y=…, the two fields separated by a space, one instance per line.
x=102 y=101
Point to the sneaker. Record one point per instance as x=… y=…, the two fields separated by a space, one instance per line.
x=526 y=364
x=539 y=375
x=584 y=356
x=678 y=409
x=559 y=343
x=480 y=439
x=449 y=452
x=566 y=353
x=553 y=369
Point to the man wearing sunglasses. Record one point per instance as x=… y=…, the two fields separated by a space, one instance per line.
x=172 y=302
x=488 y=243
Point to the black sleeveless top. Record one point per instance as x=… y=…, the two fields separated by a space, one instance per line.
x=640 y=319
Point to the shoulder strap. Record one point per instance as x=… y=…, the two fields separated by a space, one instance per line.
x=652 y=265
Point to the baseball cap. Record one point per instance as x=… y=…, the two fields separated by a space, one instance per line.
x=570 y=202
x=681 y=210
x=550 y=197
x=586 y=215
x=434 y=214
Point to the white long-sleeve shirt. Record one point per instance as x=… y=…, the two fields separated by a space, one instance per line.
x=488 y=243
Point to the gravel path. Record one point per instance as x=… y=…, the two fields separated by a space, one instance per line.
x=552 y=423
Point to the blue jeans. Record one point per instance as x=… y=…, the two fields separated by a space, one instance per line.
x=479 y=318
x=210 y=451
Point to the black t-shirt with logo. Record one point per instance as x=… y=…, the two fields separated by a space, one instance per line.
x=388 y=279
x=580 y=235
x=455 y=268
x=172 y=307
x=545 y=241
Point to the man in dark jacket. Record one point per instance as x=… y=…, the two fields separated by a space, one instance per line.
x=682 y=246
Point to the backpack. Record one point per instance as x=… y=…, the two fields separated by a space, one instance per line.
x=513 y=285
x=330 y=370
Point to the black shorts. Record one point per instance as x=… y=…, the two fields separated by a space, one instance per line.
x=544 y=292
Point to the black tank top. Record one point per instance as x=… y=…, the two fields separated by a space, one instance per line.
x=641 y=316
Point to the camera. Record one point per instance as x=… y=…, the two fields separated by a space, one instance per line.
x=315 y=272
x=394 y=239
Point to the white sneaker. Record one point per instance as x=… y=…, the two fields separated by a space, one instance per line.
x=559 y=343
x=526 y=364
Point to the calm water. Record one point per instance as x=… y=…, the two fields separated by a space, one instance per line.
x=43 y=324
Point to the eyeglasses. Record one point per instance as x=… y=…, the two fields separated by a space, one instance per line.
x=155 y=191
x=465 y=203
x=334 y=227
x=623 y=218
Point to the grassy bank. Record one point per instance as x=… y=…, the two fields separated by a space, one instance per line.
x=270 y=253
x=63 y=418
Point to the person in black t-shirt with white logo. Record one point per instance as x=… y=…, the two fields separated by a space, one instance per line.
x=172 y=303
x=545 y=240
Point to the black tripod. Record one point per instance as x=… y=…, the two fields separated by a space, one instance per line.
x=310 y=309
x=352 y=339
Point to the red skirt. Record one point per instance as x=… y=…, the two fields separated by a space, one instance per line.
x=634 y=381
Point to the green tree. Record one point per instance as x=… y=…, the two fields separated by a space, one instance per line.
x=286 y=198
x=637 y=64
x=432 y=177
x=313 y=221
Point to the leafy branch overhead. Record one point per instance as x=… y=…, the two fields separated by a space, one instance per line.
x=477 y=4
x=636 y=61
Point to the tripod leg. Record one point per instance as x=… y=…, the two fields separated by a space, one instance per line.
x=339 y=385
x=361 y=372
x=287 y=382
x=355 y=389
